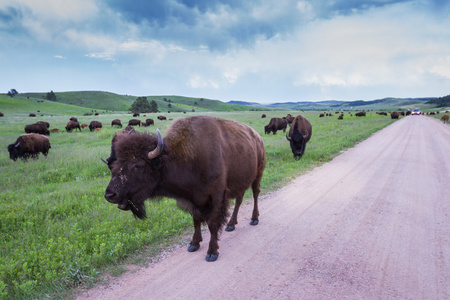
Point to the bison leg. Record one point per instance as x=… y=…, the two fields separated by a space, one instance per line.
x=194 y=245
x=212 y=253
x=233 y=220
x=256 y=190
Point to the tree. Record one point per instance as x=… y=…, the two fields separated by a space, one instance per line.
x=154 y=106
x=141 y=105
x=50 y=96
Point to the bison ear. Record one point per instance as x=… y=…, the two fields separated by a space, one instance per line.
x=159 y=147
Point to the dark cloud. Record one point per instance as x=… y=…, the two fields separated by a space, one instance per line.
x=189 y=22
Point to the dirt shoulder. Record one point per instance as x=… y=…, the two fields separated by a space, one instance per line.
x=371 y=224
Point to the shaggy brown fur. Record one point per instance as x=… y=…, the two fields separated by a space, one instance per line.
x=204 y=162
x=29 y=145
x=299 y=134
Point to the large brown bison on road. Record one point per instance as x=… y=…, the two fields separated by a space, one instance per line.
x=276 y=124
x=299 y=134
x=202 y=162
x=29 y=145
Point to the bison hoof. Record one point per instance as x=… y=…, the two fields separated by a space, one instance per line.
x=193 y=248
x=211 y=257
x=254 y=222
x=229 y=228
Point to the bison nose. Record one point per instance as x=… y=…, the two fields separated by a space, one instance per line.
x=110 y=196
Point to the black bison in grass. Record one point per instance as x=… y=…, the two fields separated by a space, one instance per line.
x=71 y=125
x=116 y=122
x=299 y=134
x=395 y=115
x=73 y=119
x=162 y=118
x=134 y=122
x=94 y=125
x=202 y=162
x=29 y=145
x=276 y=124
x=37 y=128
x=148 y=122
x=47 y=124
x=361 y=114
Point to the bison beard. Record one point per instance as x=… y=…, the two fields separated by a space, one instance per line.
x=196 y=164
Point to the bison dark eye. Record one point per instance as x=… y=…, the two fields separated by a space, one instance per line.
x=138 y=167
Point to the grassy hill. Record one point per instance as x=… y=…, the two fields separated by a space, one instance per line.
x=385 y=104
x=22 y=107
x=107 y=101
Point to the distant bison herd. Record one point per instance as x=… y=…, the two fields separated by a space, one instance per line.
x=35 y=139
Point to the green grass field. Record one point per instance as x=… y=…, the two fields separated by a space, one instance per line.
x=57 y=229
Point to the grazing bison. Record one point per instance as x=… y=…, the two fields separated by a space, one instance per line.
x=95 y=125
x=135 y=114
x=73 y=119
x=263 y=115
x=202 y=162
x=71 y=125
x=341 y=117
x=444 y=118
x=276 y=124
x=54 y=130
x=1 y=114
x=395 y=115
x=361 y=114
x=299 y=134
x=32 y=115
x=148 y=122
x=29 y=145
x=47 y=124
x=116 y=122
x=37 y=128
x=84 y=125
x=162 y=118
x=289 y=119
x=134 y=122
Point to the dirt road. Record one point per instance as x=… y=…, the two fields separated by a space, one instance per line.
x=374 y=223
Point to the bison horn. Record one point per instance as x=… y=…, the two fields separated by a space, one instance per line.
x=306 y=135
x=104 y=161
x=17 y=145
x=288 y=137
x=158 y=150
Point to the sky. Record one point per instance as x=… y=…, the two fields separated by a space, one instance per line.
x=262 y=51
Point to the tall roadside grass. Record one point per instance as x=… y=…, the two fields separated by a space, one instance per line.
x=58 y=231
